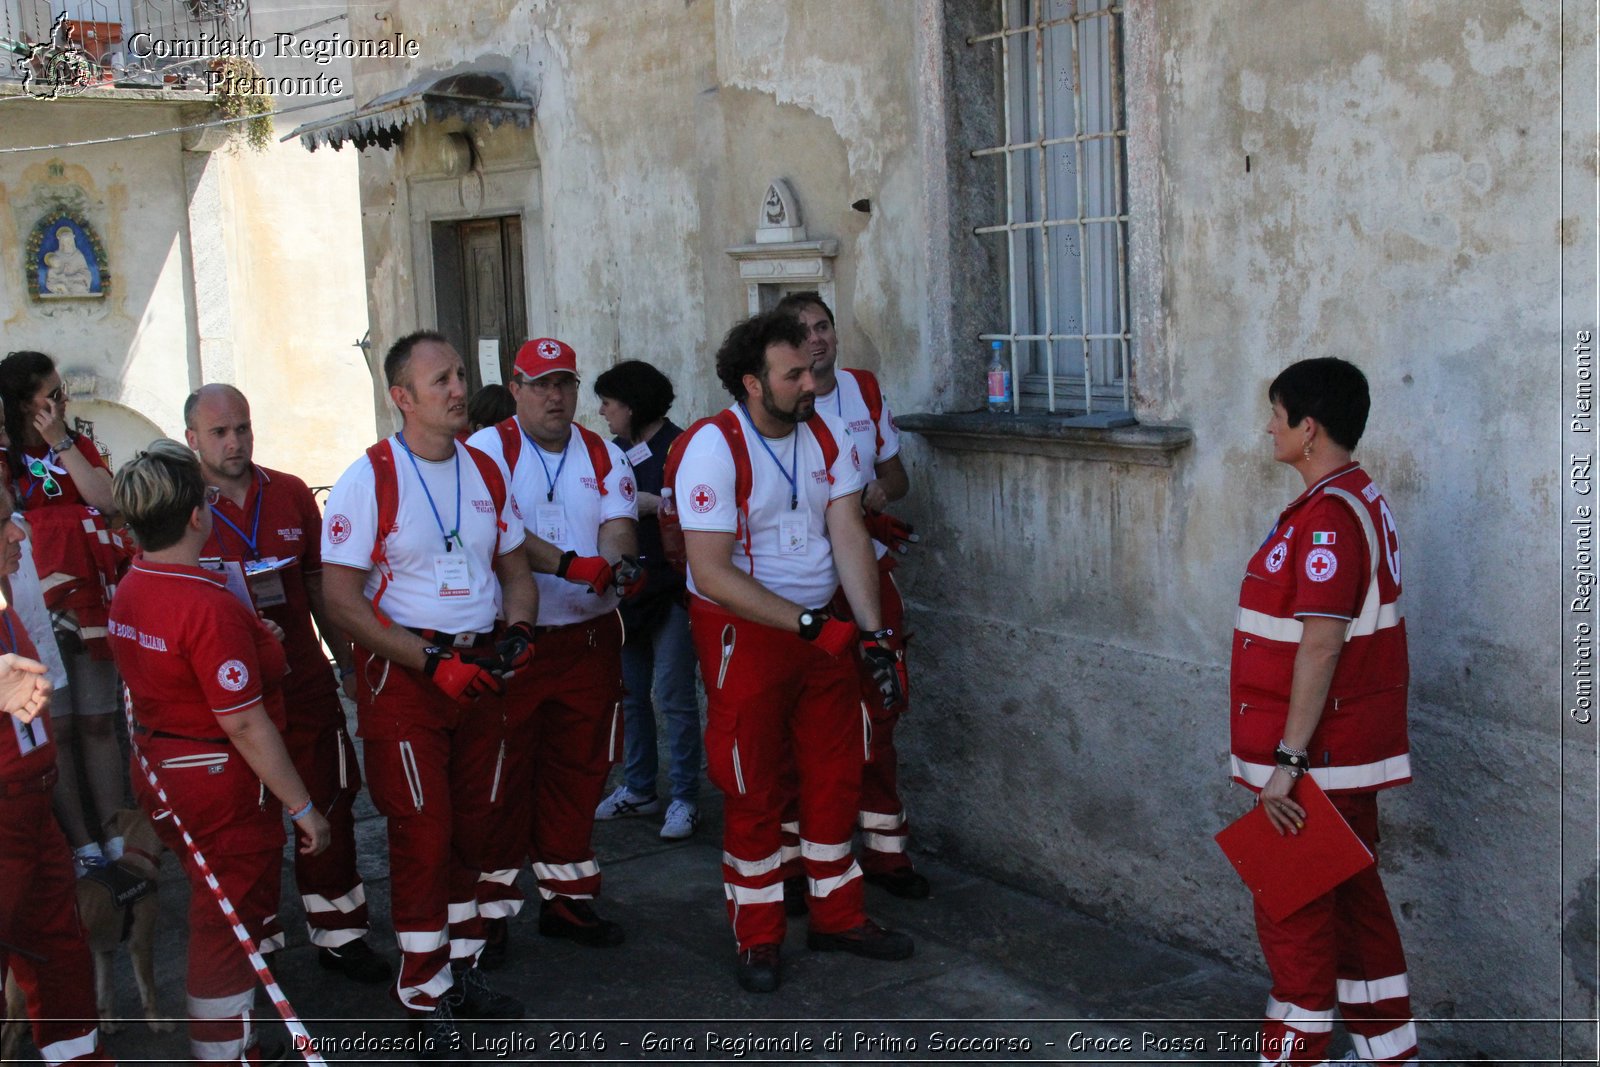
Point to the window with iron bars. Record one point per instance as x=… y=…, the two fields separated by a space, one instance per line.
x=1063 y=202
x=142 y=43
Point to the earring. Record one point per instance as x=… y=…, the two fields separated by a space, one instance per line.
x=1307 y=451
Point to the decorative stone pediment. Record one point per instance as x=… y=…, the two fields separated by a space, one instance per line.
x=782 y=259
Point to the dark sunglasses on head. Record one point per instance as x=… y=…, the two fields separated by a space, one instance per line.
x=58 y=394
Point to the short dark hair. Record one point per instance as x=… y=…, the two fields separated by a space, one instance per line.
x=398 y=358
x=1328 y=389
x=796 y=302
x=21 y=374
x=490 y=405
x=744 y=350
x=647 y=392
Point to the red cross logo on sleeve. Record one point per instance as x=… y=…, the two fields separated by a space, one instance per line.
x=702 y=499
x=1321 y=564
x=338 y=529
x=233 y=675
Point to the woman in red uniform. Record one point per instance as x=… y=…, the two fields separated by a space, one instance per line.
x=204 y=675
x=1319 y=688
x=59 y=480
x=40 y=938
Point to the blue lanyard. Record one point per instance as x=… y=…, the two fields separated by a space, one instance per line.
x=794 y=459
x=456 y=453
x=255 y=524
x=550 y=483
x=11 y=634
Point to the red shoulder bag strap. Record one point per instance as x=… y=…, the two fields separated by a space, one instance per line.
x=387 y=486
x=825 y=438
x=490 y=472
x=510 y=441
x=599 y=456
x=873 y=395
x=728 y=424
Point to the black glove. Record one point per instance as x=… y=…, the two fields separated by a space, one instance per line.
x=515 y=649
x=629 y=575
x=886 y=664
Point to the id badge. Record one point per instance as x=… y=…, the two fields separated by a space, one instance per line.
x=451 y=575
x=266 y=585
x=30 y=735
x=550 y=523
x=792 y=535
x=639 y=454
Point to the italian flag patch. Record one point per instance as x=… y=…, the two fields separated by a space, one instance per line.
x=1322 y=538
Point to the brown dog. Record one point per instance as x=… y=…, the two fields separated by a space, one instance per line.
x=116 y=904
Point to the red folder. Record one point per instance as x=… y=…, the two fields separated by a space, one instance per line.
x=1287 y=872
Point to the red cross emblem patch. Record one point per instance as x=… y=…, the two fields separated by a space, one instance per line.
x=702 y=498
x=1321 y=564
x=626 y=485
x=233 y=675
x=549 y=350
x=338 y=529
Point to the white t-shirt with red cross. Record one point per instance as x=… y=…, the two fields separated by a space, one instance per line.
x=561 y=503
x=877 y=439
x=429 y=588
x=789 y=551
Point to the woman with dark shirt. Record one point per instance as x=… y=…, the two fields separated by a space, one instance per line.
x=658 y=657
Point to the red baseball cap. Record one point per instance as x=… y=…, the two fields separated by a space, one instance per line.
x=545 y=355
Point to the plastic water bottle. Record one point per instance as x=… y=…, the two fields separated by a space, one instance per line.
x=999 y=381
x=672 y=545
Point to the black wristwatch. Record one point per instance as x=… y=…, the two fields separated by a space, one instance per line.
x=434 y=654
x=811 y=624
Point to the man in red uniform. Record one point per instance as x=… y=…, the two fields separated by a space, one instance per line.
x=563 y=722
x=40 y=938
x=772 y=524
x=422 y=540
x=1320 y=670
x=854 y=396
x=267 y=522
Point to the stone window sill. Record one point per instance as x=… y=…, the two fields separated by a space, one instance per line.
x=1081 y=437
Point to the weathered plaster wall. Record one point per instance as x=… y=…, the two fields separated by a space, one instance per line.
x=1072 y=617
x=225 y=266
x=1400 y=209
x=660 y=125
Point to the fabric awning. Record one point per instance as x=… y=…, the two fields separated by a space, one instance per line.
x=473 y=96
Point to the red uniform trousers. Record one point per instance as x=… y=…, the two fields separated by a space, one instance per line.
x=432 y=767
x=776 y=701
x=1342 y=947
x=38 y=914
x=564 y=733
x=330 y=887
x=238 y=826
x=884 y=830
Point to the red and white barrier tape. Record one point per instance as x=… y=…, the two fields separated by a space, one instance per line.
x=297 y=1030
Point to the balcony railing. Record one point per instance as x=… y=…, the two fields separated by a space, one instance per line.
x=122 y=43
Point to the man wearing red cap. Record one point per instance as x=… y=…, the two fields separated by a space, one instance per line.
x=563 y=722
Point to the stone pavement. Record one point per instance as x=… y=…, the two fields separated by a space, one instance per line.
x=999 y=976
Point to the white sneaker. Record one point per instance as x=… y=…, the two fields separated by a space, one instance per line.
x=682 y=818
x=624 y=802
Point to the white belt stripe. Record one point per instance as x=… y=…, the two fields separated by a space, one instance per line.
x=884 y=842
x=877 y=820
x=347 y=903
x=1302 y=1019
x=506 y=876
x=71 y=1048
x=566 y=872
x=821 y=887
x=745 y=894
x=823 y=853
x=1370 y=991
x=1386 y=1046
x=437 y=986
x=421 y=940
x=753 y=868
x=1355 y=776
x=222 y=1007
